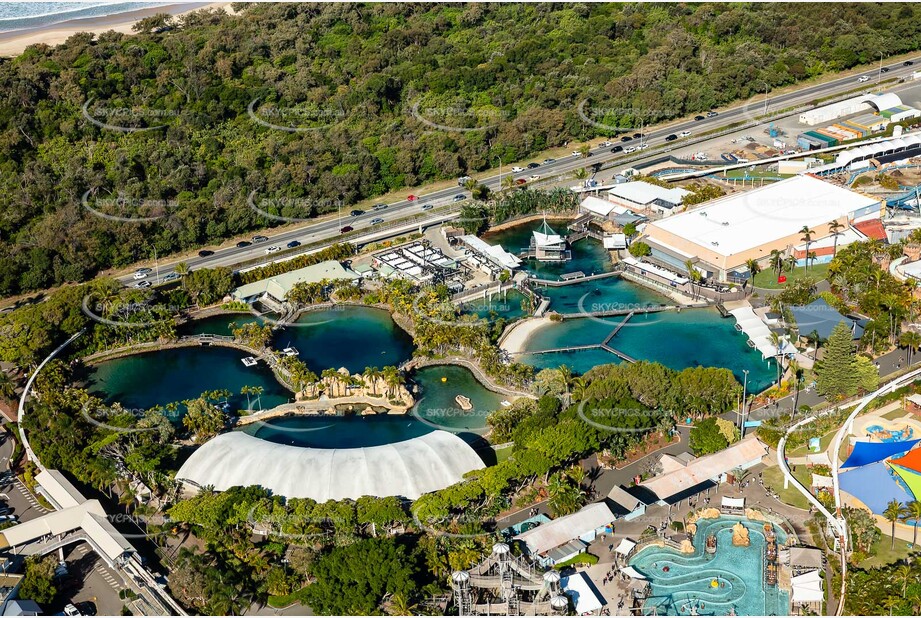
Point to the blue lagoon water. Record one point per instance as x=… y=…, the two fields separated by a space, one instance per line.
x=600 y=295
x=506 y=305
x=588 y=255
x=738 y=571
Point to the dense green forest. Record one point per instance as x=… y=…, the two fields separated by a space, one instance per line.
x=357 y=91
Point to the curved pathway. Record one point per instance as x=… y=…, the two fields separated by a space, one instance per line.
x=474 y=368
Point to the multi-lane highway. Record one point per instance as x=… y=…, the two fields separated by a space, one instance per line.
x=751 y=111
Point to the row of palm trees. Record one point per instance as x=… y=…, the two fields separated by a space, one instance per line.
x=896 y=511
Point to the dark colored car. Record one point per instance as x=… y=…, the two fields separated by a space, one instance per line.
x=533 y=165
x=626 y=138
x=357 y=213
x=460 y=197
x=294 y=243
x=379 y=206
x=884 y=70
x=205 y=253
x=637 y=135
x=671 y=138
x=244 y=243
x=908 y=63
x=346 y=229
x=698 y=118
x=87 y=608
x=427 y=207
x=617 y=149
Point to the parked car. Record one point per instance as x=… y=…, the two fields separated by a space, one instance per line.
x=346 y=229
x=712 y=114
x=87 y=608
x=617 y=149
x=863 y=78
x=684 y=134
x=532 y=165
x=171 y=277
x=205 y=253
x=141 y=284
x=427 y=207
x=272 y=249
x=698 y=118
x=378 y=207
x=517 y=169
x=140 y=275
x=71 y=610
x=460 y=197
x=376 y=221
x=260 y=238
x=293 y=244
x=243 y=243
x=356 y=213
x=671 y=138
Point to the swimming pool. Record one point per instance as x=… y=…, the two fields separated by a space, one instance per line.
x=887 y=435
x=684 y=583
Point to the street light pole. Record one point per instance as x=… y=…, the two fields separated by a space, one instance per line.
x=156 y=264
x=766 y=90
x=879 y=74
x=744 y=394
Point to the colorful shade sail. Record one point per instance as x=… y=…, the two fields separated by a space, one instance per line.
x=910 y=461
x=865 y=453
x=911 y=478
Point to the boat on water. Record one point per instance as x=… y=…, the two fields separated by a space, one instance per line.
x=290 y=351
x=249 y=361
x=711 y=544
x=505 y=403
x=464 y=402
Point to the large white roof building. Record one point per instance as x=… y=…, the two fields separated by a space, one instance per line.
x=725 y=233
x=408 y=469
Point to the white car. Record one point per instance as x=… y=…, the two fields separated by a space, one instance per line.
x=576 y=153
x=517 y=169
x=604 y=144
x=141 y=284
x=642 y=147
x=741 y=160
x=684 y=134
x=272 y=249
x=71 y=610
x=534 y=177
x=140 y=275
x=629 y=149
x=863 y=78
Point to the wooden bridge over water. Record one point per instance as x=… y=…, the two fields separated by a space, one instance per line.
x=604 y=345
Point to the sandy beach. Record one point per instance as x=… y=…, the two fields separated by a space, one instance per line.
x=517 y=338
x=15 y=42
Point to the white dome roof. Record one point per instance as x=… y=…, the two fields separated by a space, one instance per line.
x=408 y=469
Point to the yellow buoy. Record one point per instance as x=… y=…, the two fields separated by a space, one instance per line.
x=714 y=584
x=444 y=379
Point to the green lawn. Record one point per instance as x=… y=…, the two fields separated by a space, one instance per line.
x=283 y=601
x=767 y=278
x=742 y=173
x=773 y=478
x=880 y=552
x=895 y=414
x=803 y=450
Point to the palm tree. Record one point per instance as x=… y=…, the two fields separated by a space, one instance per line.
x=7 y=386
x=578 y=388
x=740 y=475
x=753 y=269
x=776 y=261
x=813 y=337
x=891 y=602
x=903 y=572
x=797 y=374
x=182 y=269
x=791 y=263
x=914 y=513
x=910 y=340
x=895 y=511
x=807 y=238
x=694 y=275
x=400 y=605
x=835 y=228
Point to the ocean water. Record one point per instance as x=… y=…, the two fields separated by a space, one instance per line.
x=27 y=15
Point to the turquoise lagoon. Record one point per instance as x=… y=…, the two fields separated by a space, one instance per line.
x=686 y=586
x=588 y=255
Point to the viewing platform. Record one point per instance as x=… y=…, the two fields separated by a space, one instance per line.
x=555 y=283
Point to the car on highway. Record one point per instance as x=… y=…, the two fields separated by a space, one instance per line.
x=671 y=138
x=517 y=169
x=141 y=284
x=549 y=161
x=532 y=165
x=376 y=221
x=205 y=253
x=884 y=70
x=533 y=177
x=908 y=63
x=863 y=78
x=243 y=243
x=356 y=213
x=346 y=229
x=378 y=207
x=272 y=249
x=642 y=147
x=604 y=144
x=144 y=270
x=576 y=153
x=637 y=135
x=427 y=207
x=684 y=134
x=411 y=198
x=260 y=238
x=629 y=149
x=140 y=275
x=698 y=118
x=170 y=277
x=617 y=149
x=521 y=181
x=293 y=244
x=460 y=197
x=712 y=114
x=626 y=138
x=463 y=180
